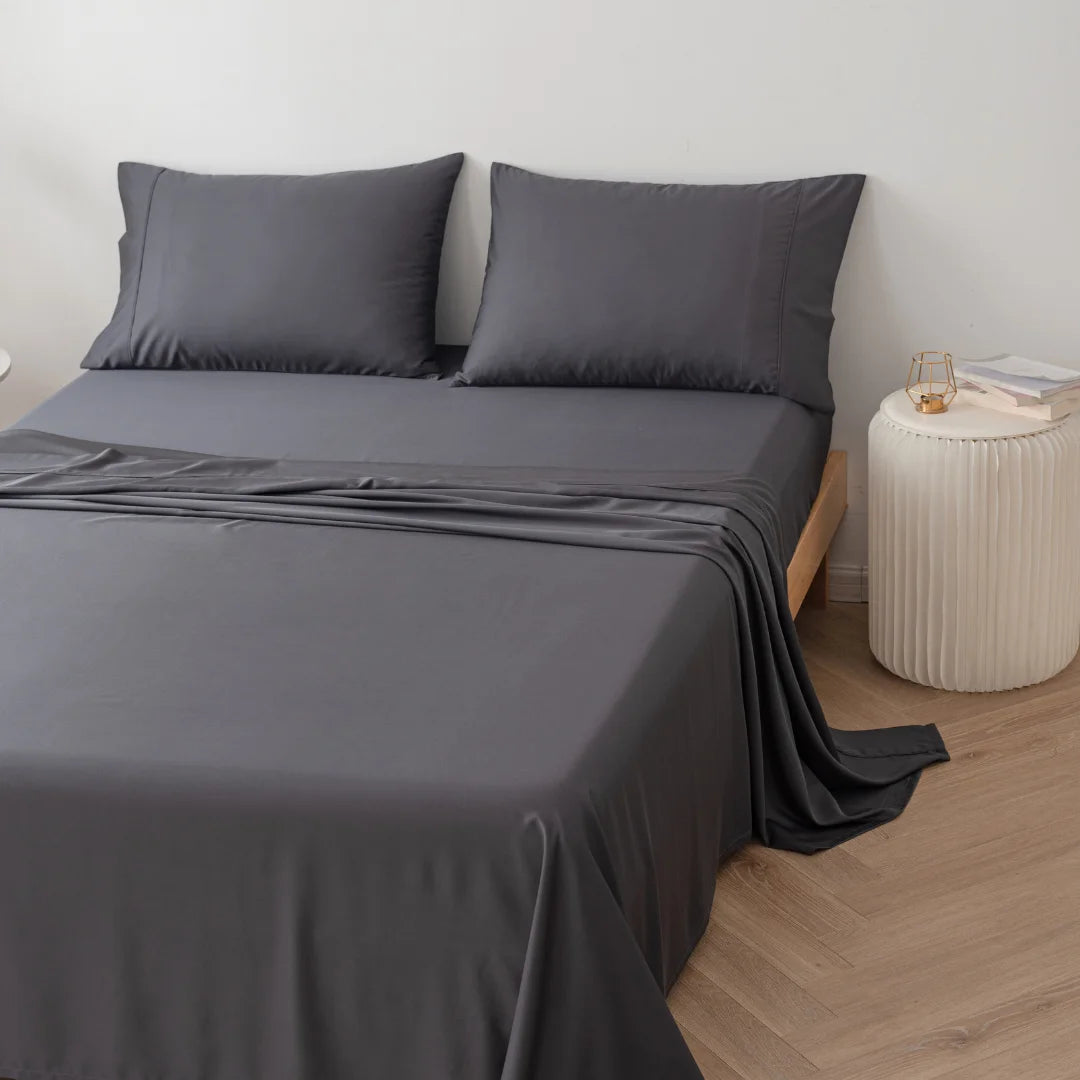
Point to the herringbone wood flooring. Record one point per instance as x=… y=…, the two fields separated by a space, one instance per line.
x=944 y=945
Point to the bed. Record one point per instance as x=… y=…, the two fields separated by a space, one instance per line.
x=296 y=791
x=375 y=711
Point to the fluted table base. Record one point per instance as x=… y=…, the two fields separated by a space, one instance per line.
x=974 y=554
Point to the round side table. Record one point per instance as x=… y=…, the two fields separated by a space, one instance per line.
x=974 y=545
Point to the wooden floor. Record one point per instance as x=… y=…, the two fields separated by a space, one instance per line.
x=946 y=944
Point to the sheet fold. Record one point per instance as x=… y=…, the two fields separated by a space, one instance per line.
x=810 y=791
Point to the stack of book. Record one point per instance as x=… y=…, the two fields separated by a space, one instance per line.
x=1016 y=385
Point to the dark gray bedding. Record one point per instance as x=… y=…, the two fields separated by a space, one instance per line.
x=318 y=771
x=333 y=417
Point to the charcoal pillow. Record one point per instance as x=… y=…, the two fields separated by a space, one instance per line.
x=718 y=287
x=334 y=273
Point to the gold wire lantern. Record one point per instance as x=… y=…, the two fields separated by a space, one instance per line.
x=931 y=384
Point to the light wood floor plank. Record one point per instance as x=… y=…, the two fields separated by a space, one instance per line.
x=1016 y=903
x=966 y=1043
x=944 y=946
x=836 y=871
x=712 y=1066
x=786 y=945
x=758 y=986
x=734 y=1035
x=759 y=879
x=973 y=976
x=920 y=878
x=1047 y=1055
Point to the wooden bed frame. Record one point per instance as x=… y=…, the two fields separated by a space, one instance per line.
x=808 y=571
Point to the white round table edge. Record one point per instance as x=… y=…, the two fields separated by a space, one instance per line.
x=961 y=421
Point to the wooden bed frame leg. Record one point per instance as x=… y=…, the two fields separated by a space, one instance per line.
x=817 y=596
x=808 y=571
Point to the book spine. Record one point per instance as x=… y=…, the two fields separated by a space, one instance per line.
x=1056 y=411
x=1037 y=390
x=1011 y=397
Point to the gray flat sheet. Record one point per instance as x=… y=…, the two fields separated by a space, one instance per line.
x=367 y=418
x=319 y=771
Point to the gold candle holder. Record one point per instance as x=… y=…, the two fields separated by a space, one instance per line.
x=931 y=384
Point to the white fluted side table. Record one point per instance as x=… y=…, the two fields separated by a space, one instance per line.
x=974 y=545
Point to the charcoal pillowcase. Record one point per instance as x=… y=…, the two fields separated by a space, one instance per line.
x=714 y=287
x=334 y=273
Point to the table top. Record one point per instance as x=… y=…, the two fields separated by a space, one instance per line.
x=5 y=364
x=961 y=421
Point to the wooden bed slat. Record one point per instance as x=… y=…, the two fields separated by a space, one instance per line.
x=808 y=571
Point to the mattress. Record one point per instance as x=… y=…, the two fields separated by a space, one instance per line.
x=376 y=419
x=364 y=727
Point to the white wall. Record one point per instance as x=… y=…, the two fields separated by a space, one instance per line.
x=963 y=113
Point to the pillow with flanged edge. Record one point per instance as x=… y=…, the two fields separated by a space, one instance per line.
x=715 y=287
x=335 y=273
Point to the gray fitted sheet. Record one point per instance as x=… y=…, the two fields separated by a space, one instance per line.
x=373 y=419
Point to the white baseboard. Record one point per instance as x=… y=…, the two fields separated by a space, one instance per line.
x=848 y=584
